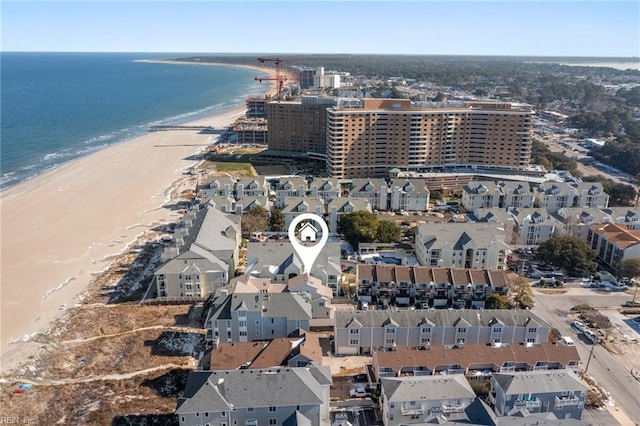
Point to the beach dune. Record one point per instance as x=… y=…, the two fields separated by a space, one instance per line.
x=61 y=228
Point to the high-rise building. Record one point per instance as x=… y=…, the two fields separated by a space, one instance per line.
x=298 y=126
x=382 y=134
x=305 y=77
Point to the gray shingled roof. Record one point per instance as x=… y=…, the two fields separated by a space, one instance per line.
x=542 y=381
x=437 y=234
x=224 y=390
x=274 y=305
x=197 y=256
x=272 y=255
x=426 y=388
x=440 y=317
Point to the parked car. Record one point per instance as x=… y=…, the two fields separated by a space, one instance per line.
x=358 y=392
x=578 y=326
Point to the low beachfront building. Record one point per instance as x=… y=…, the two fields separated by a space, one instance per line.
x=252 y=397
x=560 y=392
x=297 y=350
x=424 y=399
x=201 y=257
x=219 y=186
x=462 y=245
x=362 y=332
x=245 y=317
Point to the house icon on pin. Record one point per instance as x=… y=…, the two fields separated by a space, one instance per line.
x=308 y=233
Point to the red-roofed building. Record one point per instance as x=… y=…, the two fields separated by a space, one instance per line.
x=614 y=242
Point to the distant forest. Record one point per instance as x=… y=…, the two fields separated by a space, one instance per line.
x=581 y=92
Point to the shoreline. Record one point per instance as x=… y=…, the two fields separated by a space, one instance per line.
x=64 y=227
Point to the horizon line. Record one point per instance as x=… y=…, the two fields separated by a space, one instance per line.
x=328 y=53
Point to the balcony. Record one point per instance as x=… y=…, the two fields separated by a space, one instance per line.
x=452 y=408
x=528 y=403
x=411 y=411
x=564 y=401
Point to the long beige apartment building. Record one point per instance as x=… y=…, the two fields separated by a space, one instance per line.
x=383 y=134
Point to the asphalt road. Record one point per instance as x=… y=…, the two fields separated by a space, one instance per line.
x=603 y=366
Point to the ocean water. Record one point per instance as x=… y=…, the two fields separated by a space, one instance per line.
x=56 y=107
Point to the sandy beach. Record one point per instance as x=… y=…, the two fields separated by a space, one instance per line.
x=63 y=227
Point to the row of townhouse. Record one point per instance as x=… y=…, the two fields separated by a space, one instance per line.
x=533 y=226
x=395 y=194
x=475 y=361
x=256 y=397
x=201 y=257
x=462 y=245
x=523 y=226
x=437 y=287
x=550 y=196
x=362 y=332
x=527 y=398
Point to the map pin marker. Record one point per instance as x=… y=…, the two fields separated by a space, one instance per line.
x=308 y=232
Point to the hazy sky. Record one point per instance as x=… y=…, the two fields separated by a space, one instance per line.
x=553 y=28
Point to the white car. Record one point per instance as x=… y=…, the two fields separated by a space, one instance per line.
x=358 y=392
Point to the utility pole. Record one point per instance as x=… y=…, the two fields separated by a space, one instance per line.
x=593 y=346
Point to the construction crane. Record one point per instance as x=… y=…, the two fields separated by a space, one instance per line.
x=279 y=77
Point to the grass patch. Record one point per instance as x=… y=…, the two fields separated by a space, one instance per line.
x=236 y=169
x=248 y=151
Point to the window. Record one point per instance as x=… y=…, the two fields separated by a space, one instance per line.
x=426 y=329
x=223 y=414
x=250 y=409
x=390 y=341
x=391 y=330
x=462 y=329
x=354 y=331
x=273 y=421
x=425 y=340
x=243 y=333
x=272 y=409
x=242 y=323
x=242 y=314
x=532 y=330
x=497 y=330
x=353 y=341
